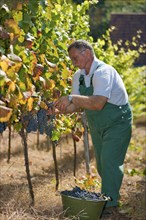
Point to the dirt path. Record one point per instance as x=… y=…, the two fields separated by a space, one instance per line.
x=14 y=194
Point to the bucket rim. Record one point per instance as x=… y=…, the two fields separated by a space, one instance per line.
x=83 y=199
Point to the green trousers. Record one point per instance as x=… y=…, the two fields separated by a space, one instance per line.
x=110 y=130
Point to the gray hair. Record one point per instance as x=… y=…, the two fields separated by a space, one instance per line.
x=81 y=45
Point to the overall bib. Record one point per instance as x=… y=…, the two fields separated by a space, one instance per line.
x=110 y=130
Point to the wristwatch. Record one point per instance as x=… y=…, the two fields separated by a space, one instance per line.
x=70 y=98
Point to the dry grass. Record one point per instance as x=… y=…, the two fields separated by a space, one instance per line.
x=14 y=197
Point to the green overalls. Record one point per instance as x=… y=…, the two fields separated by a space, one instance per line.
x=110 y=130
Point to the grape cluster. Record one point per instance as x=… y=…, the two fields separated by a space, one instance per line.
x=3 y=126
x=32 y=124
x=40 y=121
x=45 y=122
x=83 y=194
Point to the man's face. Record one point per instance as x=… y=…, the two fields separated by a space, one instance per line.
x=78 y=57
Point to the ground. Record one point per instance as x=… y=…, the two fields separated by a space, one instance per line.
x=15 y=199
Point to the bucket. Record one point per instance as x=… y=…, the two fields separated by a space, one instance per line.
x=83 y=209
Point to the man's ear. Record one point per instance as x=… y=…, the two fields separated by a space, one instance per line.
x=88 y=52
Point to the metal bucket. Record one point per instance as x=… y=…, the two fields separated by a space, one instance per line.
x=82 y=209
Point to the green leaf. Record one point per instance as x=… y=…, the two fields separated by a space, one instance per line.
x=55 y=135
x=17 y=126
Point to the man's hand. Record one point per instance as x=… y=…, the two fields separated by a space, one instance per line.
x=62 y=103
x=53 y=111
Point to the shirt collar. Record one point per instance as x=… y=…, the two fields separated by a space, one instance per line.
x=94 y=65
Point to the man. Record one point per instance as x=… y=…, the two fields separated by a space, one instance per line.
x=99 y=90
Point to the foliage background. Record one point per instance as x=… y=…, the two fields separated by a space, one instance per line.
x=100 y=13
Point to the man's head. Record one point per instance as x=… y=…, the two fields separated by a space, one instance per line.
x=81 y=53
x=81 y=45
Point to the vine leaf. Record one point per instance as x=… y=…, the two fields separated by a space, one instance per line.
x=5 y=113
x=12 y=26
x=14 y=57
x=52 y=65
x=4 y=63
x=50 y=84
x=12 y=86
x=30 y=104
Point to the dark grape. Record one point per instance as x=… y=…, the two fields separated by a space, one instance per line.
x=49 y=129
x=32 y=123
x=40 y=121
x=83 y=194
x=3 y=126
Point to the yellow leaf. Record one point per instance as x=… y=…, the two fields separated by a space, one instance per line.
x=43 y=105
x=21 y=39
x=65 y=73
x=13 y=70
x=50 y=84
x=48 y=74
x=12 y=86
x=90 y=182
x=11 y=36
x=33 y=62
x=13 y=102
x=21 y=98
x=4 y=64
x=30 y=104
x=58 y=7
x=22 y=86
x=29 y=83
x=42 y=57
x=62 y=83
x=12 y=27
x=63 y=65
x=5 y=113
x=22 y=101
x=3 y=78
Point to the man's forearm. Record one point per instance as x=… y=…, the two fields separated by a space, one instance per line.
x=93 y=102
x=89 y=102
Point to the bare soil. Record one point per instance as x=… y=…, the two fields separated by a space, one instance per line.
x=14 y=192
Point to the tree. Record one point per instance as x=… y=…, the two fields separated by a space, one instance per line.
x=100 y=13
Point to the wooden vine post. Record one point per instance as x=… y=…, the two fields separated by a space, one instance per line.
x=75 y=155
x=38 y=140
x=86 y=142
x=9 y=143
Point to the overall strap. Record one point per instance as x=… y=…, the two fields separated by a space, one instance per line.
x=81 y=80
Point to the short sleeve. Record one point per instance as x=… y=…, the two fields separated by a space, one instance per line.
x=103 y=82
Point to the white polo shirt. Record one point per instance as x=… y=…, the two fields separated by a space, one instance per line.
x=106 y=82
